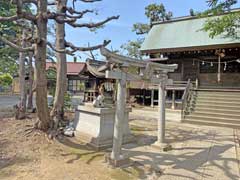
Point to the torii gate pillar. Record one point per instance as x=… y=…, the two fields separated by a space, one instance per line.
x=116 y=158
x=119 y=116
x=162 y=114
x=160 y=143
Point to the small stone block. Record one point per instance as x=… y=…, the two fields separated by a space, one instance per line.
x=162 y=146
x=117 y=163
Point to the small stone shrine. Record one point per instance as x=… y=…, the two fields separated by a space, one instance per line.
x=95 y=126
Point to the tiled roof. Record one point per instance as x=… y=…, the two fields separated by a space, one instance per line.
x=73 y=68
x=183 y=34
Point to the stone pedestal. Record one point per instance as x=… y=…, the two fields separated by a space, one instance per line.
x=115 y=163
x=95 y=126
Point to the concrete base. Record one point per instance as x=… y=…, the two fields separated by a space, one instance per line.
x=125 y=161
x=99 y=143
x=162 y=146
x=95 y=126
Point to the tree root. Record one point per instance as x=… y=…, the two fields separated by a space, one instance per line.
x=29 y=131
x=19 y=112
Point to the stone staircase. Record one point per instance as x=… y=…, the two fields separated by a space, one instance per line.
x=215 y=108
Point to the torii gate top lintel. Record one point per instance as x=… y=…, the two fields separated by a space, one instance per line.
x=149 y=68
x=119 y=59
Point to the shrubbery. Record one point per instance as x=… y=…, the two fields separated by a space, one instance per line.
x=6 y=80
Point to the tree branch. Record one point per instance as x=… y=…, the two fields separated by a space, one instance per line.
x=81 y=13
x=92 y=25
x=52 y=3
x=23 y=15
x=10 y=18
x=57 y=17
x=20 y=14
x=90 y=1
x=74 y=48
x=60 y=50
x=29 y=1
x=90 y=48
x=54 y=15
x=13 y=45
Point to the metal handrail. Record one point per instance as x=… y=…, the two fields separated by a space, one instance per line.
x=185 y=97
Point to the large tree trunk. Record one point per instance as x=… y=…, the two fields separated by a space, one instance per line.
x=57 y=112
x=21 y=109
x=31 y=76
x=40 y=63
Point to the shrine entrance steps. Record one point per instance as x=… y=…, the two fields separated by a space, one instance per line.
x=215 y=108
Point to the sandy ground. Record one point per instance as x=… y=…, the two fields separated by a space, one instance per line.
x=198 y=153
x=30 y=156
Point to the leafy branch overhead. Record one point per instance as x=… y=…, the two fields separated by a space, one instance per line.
x=227 y=24
x=154 y=13
x=133 y=48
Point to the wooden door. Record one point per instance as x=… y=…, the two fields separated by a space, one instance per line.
x=190 y=70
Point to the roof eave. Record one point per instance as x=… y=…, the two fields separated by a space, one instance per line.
x=193 y=48
x=184 y=18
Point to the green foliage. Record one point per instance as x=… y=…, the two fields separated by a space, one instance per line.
x=51 y=78
x=154 y=12
x=52 y=73
x=192 y=13
x=67 y=101
x=141 y=28
x=157 y=12
x=6 y=80
x=8 y=56
x=7 y=9
x=133 y=48
x=227 y=25
x=8 y=61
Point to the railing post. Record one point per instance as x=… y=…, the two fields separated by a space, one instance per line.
x=197 y=83
x=152 y=98
x=184 y=98
x=173 y=100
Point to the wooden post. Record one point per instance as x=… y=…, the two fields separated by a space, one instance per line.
x=152 y=98
x=119 y=119
x=219 y=69
x=143 y=97
x=173 y=99
x=197 y=83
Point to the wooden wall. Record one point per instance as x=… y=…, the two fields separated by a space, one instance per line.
x=227 y=79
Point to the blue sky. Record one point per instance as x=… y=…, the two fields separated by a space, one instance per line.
x=120 y=31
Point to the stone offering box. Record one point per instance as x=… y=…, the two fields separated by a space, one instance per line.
x=95 y=126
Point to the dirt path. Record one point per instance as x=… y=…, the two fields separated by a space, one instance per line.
x=198 y=153
x=33 y=157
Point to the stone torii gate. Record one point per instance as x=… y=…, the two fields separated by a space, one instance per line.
x=154 y=73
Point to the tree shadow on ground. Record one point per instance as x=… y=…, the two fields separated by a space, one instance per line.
x=80 y=151
x=189 y=162
x=11 y=161
x=72 y=143
x=196 y=161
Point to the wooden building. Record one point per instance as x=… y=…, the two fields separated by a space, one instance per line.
x=84 y=78
x=209 y=66
x=213 y=62
x=75 y=83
